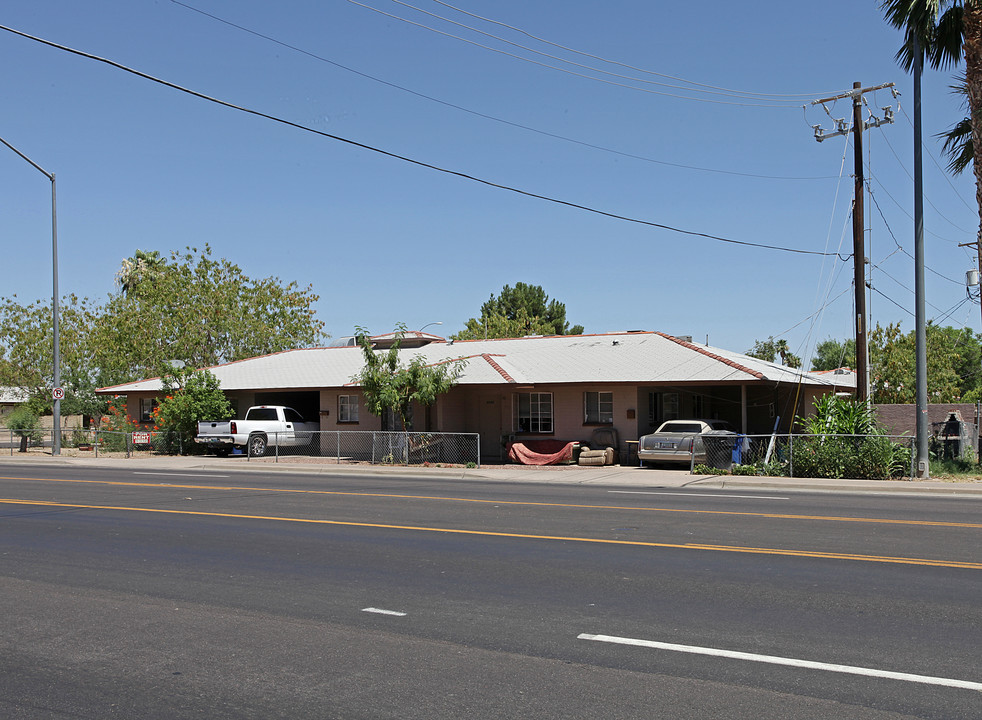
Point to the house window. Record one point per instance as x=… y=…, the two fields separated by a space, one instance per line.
x=533 y=412
x=699 y=406
x=598 y=408
x=347 y=408
x=147 y=406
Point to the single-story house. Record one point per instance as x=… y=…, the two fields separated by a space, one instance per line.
x=558 y=387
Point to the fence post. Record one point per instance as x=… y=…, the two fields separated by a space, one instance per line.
x=791 y=454
x=478 y=436
x=338 y=433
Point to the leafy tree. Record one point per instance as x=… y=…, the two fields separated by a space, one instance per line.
x=26 y=352
x=192 y=308
x=832 y=354
x=388 y=385
x=943 y=32
x=190 y=396
x=515 y=312
x=770 y=349
x=892 y=365
x=202 y=311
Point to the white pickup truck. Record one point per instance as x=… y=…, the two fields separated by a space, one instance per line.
x=264 y=426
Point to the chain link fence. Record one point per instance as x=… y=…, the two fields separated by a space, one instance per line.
x=104 y=442
x=870 y=457
x=374 y=447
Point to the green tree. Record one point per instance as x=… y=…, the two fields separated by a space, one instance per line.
x=771 y=349
x=892 y=365
x=516 y=312
x=203 y=311
x=388 y=385
x=943 y=33
x=832 y=354
x=26 y=352
x=190 y=396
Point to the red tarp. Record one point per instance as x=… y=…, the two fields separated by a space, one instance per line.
x=540 y=452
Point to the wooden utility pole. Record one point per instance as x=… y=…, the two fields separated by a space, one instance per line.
x=858 y=217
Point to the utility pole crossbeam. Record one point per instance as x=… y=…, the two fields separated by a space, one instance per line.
x=858 y=214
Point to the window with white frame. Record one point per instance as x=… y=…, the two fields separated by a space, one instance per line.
x=598 y=408
x=347 y=408
x=533 y=412
x=147 y=406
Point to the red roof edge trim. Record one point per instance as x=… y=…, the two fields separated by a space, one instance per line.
x=501 y=371
x=714 y=356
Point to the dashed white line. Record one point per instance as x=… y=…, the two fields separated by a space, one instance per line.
x=686 y=494
x=793 y=662
x=379 y=611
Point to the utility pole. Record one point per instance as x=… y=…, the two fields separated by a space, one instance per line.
x=858 y=214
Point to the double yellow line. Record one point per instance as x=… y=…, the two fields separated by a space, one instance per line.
x=524 y=536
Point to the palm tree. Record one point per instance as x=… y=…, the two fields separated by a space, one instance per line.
x=143 y=266
x=944 y=32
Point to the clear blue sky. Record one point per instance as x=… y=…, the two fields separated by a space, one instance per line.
x=383 y=241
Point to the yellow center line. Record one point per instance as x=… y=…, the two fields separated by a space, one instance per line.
x=526 y=503
x=490 y=533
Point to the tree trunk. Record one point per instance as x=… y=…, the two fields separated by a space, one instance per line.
x=972 y=29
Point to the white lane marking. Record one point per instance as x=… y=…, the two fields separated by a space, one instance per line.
x=379 y=611
x=174 y=474
x=793 y=662
x=716 y=495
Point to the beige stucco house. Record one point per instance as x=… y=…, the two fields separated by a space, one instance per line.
x=559 y=387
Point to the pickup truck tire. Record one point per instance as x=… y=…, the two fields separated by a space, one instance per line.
x=257 y=445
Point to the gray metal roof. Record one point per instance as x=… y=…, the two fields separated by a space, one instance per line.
x=632 y=357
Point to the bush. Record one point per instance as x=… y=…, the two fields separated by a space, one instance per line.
x=190 y=396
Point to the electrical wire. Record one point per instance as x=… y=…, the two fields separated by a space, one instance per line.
x=486 y=116
x=621 y=64
x=412 y=161
x=945 y=173
x=904 y=167
x=903 y=250
x=569 y=72
x=694 y=88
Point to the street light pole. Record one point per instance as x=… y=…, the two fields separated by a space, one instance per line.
x=56 y=410
x=428 y=324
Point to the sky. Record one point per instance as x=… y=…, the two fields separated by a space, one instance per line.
x=551 y=119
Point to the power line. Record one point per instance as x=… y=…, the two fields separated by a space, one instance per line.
x=409 y=160
x=799 y=96
x=486 y=116
x=564 y=70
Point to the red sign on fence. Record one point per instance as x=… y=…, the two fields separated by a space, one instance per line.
x=141 y=438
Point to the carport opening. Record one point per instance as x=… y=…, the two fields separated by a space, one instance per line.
x=305 y=403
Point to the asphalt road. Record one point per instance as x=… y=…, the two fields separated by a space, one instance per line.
x=242 y=595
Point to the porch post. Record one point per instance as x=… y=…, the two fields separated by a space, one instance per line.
x=743 y=409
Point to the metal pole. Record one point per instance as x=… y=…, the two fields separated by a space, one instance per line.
x=56 y=450
x=56 y=444
x=920 y=337
x=859 y=247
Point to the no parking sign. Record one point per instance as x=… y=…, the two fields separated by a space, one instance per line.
x=58 y=393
